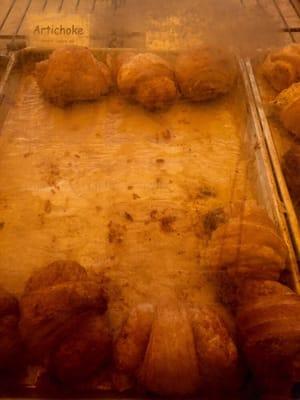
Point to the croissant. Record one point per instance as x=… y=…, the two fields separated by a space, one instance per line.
x=286 y=107
x=172 y=350
x=269 y=329
x=291 y=169
x=72 y=74
x=281 y=68
x=248 y=246
x=147 y=79
x=252 y=289
x=205 y=73
x=63 y=323
x=10 y=342
x=87 y=348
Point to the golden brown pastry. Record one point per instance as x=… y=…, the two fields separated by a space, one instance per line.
x=281 y=67
x=55 y=273
x=129 y=349
x=87 y=349
x=216 y=350
x=269 y=328
x=72 y=74
x=171 y=349
x=147 y=79
x=205 y=73
x=10 y=343
x=286 y=107
x=252 y=289
x=63 y=323
x=291 y=169
x=115 y=61
x=248 y=246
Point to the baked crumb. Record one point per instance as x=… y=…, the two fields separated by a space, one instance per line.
x=213 y=219
x=164 y=135
x=116 y=232
x=48 y=207
x=205 y=192
x=153 y=214
x=128 y=216
x=184 y=121
x=166 y=223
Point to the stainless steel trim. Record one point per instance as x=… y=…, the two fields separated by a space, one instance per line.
x=280 y=199
x=282 y=187
x=295 y=4
x=284 y=20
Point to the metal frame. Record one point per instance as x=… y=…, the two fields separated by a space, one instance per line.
x=287 y=28
x=15 y=34
x=288 y=224
x=283 y=191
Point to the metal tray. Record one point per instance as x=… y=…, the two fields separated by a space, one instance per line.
x=124 y=191
x=278 y=141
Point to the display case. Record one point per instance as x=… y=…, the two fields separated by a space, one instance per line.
x=148 y=245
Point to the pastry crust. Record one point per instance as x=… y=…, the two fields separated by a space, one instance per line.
x=291 y=168
x=83 y=352
x=147 y=79
x=58 y=272
x=131 y=344
x=216 y=350
x=173 y=350
x=62 y=320
x=248 y=246
x=281 y=67
x=269 y=329
x=72 y=74
x=10 y=343
x=286 y=107
x=205 y=73
x=251 y=290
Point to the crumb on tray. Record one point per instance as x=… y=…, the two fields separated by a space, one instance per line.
x=163 y=134
x=213 y=219
x=153 y=214
x=205 y=192
x=116 y=232
x=48 y=207
x=128 y=216
x=166 y=223
x=183 y=121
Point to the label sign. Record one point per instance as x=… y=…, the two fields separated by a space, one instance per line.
x=54 y=30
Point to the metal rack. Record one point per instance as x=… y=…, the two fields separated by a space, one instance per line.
x=13 y=14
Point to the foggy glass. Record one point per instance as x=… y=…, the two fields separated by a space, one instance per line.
x=178 y=24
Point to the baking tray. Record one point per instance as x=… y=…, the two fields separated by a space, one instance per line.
x=278 y=142
x=124 y=191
